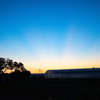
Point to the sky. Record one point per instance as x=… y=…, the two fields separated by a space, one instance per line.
x=51 y=34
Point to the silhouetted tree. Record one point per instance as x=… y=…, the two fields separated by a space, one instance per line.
x=9 y=64
x=2 y=64
x=19 y=66
x=25 y=76
x=26 y=73
x=19 y=73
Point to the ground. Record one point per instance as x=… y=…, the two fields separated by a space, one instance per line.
x=18 y=91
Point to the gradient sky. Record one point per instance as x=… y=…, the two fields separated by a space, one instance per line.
x=51 y=34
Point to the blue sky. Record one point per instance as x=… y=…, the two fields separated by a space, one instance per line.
x=51 y=34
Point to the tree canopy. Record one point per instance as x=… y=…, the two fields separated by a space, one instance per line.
x=9 y=64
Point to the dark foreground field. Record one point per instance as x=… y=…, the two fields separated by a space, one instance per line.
x=14 y=91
